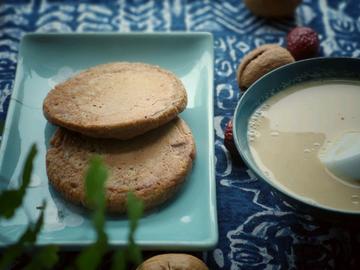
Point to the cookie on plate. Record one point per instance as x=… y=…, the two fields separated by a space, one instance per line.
x=117 y=100
x=153 y=165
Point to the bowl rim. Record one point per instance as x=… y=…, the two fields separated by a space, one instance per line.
x=285 y=192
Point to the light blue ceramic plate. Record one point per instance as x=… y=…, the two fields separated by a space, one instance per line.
x=189 y=221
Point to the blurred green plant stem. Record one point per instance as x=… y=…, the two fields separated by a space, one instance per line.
x=90 y=257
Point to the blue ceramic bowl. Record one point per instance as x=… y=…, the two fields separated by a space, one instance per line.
x=273 y=82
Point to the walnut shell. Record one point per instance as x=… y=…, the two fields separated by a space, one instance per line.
x=272 y=8
x=173 y=261
x=260 y=61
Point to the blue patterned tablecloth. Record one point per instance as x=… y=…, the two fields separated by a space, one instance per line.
x=257 y=230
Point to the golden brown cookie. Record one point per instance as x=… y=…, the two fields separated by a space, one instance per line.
x=117 y=100
x=153 y=165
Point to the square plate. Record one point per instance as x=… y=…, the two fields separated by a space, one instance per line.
x=189 y=221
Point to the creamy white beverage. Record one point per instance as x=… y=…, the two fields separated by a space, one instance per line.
x=289 y=132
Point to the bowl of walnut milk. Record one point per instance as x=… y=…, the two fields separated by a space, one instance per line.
x=287 y=121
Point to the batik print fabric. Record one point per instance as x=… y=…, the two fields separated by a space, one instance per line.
x=257 y=229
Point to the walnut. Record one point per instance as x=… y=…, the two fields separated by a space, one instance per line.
x=173 y=261
x=260 y=61
x=272 y=8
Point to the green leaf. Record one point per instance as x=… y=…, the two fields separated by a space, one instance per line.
x=119 y=260
x=134 y=211
x=95 y=180
x=10 y=255
x=134 y=253
x=27 y=239
x=91 y=257
x=94 y=183
x=10 y=200
x=30 y=235
x=45 y=258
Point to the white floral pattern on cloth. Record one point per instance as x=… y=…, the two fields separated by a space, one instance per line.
x=257 y=229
